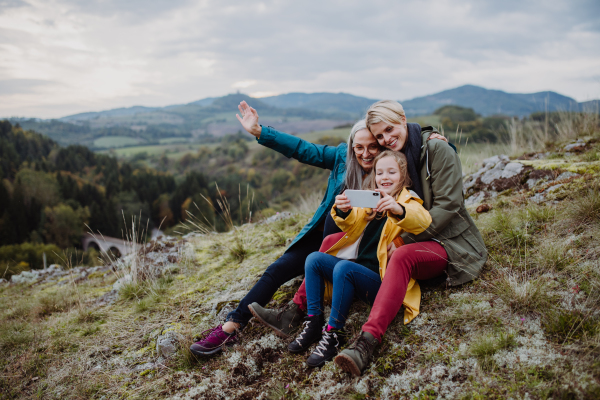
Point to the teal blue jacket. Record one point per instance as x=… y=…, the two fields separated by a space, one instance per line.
x=318 y=155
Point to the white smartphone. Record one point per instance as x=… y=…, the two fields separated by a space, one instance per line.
x=363 y=198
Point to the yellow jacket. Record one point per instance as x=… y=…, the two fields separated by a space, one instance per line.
x=415 y=221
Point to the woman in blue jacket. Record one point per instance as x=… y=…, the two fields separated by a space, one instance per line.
x=348 y=163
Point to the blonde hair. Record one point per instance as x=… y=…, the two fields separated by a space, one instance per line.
x=371 y=184
x=389 y=111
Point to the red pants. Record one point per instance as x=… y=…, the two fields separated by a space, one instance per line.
x=424 y=260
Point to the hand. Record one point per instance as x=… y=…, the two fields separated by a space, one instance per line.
x=390 y=250
x=388 y=203
x=437 y=136
x=249 y=119
x=342 y=202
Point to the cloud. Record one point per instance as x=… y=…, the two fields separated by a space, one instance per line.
x=109 y=53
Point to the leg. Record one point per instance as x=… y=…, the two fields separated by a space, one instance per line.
x=424 y=260
x=350 y=278
x=328 y=242
x=286 y=267
x=319 y=267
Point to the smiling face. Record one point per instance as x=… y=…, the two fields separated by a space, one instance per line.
x=387 y=175
x=391 y=136
x=365 y=149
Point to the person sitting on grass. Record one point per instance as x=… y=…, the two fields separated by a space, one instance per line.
x=356 y=264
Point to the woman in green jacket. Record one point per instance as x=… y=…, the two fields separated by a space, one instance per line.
x=452 y=244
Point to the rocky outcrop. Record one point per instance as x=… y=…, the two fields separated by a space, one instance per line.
x=541 y=174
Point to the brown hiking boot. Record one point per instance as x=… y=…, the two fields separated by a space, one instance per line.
x=357 y=356
x=284 y=321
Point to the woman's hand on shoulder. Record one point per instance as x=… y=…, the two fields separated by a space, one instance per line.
x=249 y=119
x=388 y=203
x=342 y=203
x=436 y=135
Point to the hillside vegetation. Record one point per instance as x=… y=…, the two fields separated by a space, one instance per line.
x=528 y=327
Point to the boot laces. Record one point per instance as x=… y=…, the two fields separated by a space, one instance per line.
x=322 y=346
x=301 y=335
x=363 y=346
x=282 y=310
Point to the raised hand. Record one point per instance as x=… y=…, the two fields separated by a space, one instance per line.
x=437 y=136
x=342 y=202
x=388 y=203
x=249 y=119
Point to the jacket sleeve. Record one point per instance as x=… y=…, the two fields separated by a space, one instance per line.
x=416 y=218
x=344 y=223
x=446 y=185
x=317 y=155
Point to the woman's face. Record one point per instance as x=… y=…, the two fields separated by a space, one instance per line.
x=365 y=149
x=387 y=174
x=391 y=136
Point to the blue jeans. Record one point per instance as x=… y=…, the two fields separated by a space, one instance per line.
x=348 y=278
x=286 y=267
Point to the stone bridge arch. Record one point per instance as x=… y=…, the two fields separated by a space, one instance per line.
x=106 y=244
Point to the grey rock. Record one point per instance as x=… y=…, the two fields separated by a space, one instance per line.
x=144 y=367
x=566 y=175
x=168 y=343
x=512 y=169
x=493 y=174
x=575 y=145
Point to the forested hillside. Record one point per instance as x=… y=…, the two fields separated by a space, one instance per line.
x=50 y=193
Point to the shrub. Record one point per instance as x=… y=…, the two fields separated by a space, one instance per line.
x=565 y=326
x=523 y=294
x=488 y=345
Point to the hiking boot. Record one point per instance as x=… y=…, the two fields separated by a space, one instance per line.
x=283 y=321
x=213 y=341
x=327 y=348
x=311 y=333
x=358 y=355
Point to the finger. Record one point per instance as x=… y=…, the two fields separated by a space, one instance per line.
x=239 y=119
x=389 y=246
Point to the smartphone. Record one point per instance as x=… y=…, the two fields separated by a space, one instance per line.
x=363 y=198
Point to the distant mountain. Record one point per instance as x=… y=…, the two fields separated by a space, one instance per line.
x=205 y=119
x=116 y=112
x=490 y=102
x=327 y=102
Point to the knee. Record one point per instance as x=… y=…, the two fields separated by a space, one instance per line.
x=312 y=261
x=342 y=270
x=402 y=258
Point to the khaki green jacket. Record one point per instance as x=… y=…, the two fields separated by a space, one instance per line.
x=451 y=226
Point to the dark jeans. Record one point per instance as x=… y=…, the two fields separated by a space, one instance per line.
x=286 y=267
x=348 y=278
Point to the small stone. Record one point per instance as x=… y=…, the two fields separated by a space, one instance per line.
x=512 y=169
x=483 y=208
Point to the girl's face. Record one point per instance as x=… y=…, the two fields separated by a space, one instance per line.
x=387 y=175
x=365 y=149
x=392 y=136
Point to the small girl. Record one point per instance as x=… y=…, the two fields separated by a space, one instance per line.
x=356 y=264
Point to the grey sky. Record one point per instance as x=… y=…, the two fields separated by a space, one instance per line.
x=60 y=57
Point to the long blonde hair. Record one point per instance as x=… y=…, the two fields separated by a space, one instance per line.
x=370 y=183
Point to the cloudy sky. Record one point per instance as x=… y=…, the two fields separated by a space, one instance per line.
x=60 y=57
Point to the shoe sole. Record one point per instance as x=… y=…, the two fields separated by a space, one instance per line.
x=319 y=365
x=210 y=352
x=347 y=364
x=277 y=331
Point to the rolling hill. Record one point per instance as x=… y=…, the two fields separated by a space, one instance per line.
x=207 y=119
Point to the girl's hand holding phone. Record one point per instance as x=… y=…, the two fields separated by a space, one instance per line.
x=342 y=202
x=388 y=203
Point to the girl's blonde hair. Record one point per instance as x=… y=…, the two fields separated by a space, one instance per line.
x=389 y=111
x=371 y=184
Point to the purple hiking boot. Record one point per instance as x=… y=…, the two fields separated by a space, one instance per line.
x=213 y=340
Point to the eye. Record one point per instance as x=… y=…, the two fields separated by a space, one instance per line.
x=388 y=129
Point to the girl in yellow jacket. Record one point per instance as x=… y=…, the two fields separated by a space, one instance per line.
x=356 y=264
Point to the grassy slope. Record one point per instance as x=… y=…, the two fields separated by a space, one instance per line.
x=527 y=328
